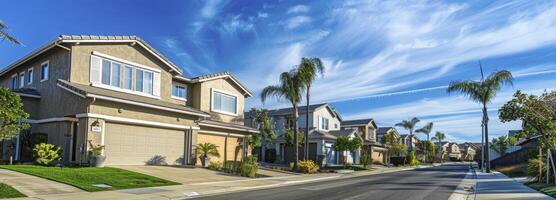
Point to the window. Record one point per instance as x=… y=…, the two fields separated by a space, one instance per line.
x=324 y=123
x=128 y=72
x=139 y=80
x=21 y=80
x=14 y=82
x=105 y=72
x=224 y=103
x=179 y=91
x=148 y=82
x=30 y=76
x=110 y=73
x=335 y=126
x=44 y=71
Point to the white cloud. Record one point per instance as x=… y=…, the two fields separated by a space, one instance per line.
x=210 y=8
x=298 y=9
x=234 y=24
x=297 y=21
x=262 y=15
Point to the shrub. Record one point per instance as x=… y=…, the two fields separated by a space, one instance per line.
x=366 y=160
x=308 y=166
x=232 y=167
x=533 y=167
x=47 y=154
x=215 y=165
x=292 y=166
x=411 y=159
x=270 y=155
x=249 y=167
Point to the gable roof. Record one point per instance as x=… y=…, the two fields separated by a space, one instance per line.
x=93 y=39
x=85 y=91
x=358 y=122
x=340 y=133
x=224 y=75
x=302 y=109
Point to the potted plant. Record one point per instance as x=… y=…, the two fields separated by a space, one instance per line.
x=96 y=159
x=207 y=149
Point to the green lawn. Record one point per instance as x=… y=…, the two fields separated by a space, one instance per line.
x=86 y=177
x=7 y=191
x=548 y=189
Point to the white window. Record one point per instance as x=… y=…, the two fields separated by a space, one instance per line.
x=111 y=73
x=139 y=80
x=148 y=82
x=21 y=80
x=128 y=73
x=179 y=91
x=30 y=76
x=324 y=123
x=14 y=82
x=44 y=71
x=115 y=75
x=224 y=103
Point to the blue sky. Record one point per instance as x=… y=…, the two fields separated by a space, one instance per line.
x=387 y=60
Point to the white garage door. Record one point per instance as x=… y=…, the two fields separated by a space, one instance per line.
x=140 y=145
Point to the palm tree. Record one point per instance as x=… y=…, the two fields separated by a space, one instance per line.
x=207 y=149
x=4 y=33
x=291 y=89
x=409 y=125
x=440 y=136
x=427 y=129
x=483 y=92
x=308 y=71
x=266 y=133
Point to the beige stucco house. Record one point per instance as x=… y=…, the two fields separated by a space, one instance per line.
x=119 y=92
x=367 y=129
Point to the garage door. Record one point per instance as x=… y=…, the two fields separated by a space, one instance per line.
x=139 y=145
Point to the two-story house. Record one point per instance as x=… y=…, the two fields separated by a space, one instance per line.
x=450 y=150
x=119 y=92
x=325 y=126
x=410 y=141
x=367 y=129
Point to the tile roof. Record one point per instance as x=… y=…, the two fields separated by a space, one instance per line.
x=87 y=89
x=383 y=130
x=345 y=132
x=357 y=122
x=222 y=75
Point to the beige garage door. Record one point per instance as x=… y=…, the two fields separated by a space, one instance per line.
x=138 y=145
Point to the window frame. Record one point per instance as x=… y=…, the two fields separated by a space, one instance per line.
x=30 y=76
x=213 y=90
x=21 y=80
x=14 y=80
x=174 y=84
x=47 y=74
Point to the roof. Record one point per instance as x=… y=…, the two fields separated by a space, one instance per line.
x=314 y=134
x=100 y=93
x=91 y=38
x=219 y=75
x=384 y=130
x=27 y=92
x=302 y=110
x=340 y=133
x=227 y=125
x=358 y=122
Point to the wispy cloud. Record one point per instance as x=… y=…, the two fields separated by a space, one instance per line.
x=297 y=21
x=298 y=9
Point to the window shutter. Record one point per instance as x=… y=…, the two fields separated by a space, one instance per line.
x=156 y=84
x=95 y=72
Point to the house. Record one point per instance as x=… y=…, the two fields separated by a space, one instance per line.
x=119 y=92
x=450 y=150
x=382 y=131
x=406 y=139
x=367 y=129
x=325 y=127
x=467 y=151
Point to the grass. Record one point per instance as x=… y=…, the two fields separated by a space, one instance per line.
x=548 y=189
x=86 y=177
x=7 y=191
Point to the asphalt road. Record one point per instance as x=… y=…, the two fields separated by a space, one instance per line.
x=434 y=183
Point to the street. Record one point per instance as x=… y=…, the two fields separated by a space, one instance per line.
x=428 y=183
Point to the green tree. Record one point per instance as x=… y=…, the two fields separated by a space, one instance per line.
x=308 y=71
x=11 y=113
x=483 y=92
x=290 y=139
x=427 y=129
x=290 y=88
x=432 y=152
x=393 y=145
x=342 y=144
x=502 y=143
x=410 y=126
x=537 y=116
x=266 y=129
x=5 y=35
x=440 y=136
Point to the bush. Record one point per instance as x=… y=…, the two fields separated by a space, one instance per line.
x=308 y=166
x=270 y=155
x=47 y=154
x=249 y=170
x=215 y=165
x=366 y=160
x=292 y=166
x=411 y=159
x=533 y=167
x=232 y=167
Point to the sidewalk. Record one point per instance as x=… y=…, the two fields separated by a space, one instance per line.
x=498 y=186
x=34 y=186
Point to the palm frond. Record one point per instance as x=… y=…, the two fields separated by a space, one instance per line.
x=270 y=91
x=425 y=129
x=471 y=89
x=4 y=34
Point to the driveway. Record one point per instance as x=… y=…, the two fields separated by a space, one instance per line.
x=182 y=175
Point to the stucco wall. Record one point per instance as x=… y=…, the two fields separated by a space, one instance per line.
x=202 y=98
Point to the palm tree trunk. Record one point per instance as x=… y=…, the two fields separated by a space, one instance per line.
x=487 y=156
x=295 y=136
x=306 y=153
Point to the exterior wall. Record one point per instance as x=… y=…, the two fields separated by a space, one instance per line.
x=324 y=112
x=81 y=61
x=202 y=99
x=231 y=148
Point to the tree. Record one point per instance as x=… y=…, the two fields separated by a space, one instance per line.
x=11 y=113
x=343 y=143
x=266 y=129
x=308 y=71
x=207 y=149
x=427 y=129
x=432 y=152
x=393 y=145
x=440 y=136
x=502 y=143
x=290 y=138
x=290 y=88
x=5 y=35
x=537 y=116
x=410 y=126
x=483 y=92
